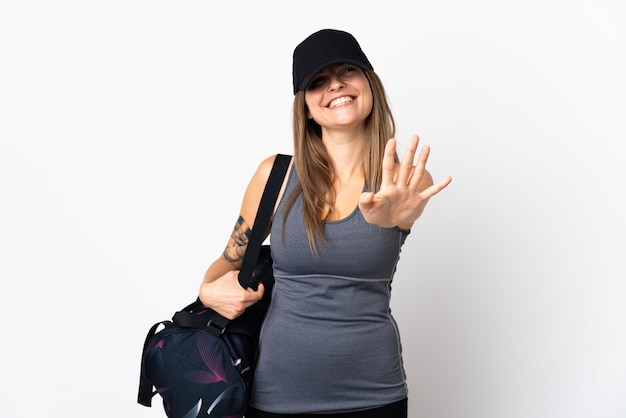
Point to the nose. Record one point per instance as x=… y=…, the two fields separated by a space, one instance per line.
x=336 y=83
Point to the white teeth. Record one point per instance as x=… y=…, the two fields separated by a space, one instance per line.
x=340 y=101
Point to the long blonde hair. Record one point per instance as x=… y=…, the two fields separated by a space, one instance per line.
x=314 y=166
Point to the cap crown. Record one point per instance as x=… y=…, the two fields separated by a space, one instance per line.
x=324 y=48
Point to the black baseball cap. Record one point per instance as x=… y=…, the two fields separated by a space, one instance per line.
x=324 y=48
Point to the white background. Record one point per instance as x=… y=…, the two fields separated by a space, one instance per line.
x=129 y=130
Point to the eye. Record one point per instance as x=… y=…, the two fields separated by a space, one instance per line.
x=316 y=82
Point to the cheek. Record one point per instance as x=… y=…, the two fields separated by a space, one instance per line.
x=307 y=105
x=308 y=99
x=369 y=99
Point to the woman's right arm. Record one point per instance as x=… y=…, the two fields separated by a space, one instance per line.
x=220 y=290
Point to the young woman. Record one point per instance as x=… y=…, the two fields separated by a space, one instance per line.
x=329 y=343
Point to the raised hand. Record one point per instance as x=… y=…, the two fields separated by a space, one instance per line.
x=405 y=188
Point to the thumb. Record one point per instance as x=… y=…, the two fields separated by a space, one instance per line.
x=366 y=199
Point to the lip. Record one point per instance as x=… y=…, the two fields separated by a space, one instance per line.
x=340 y=101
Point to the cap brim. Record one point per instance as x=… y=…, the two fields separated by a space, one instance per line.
x=306 y=80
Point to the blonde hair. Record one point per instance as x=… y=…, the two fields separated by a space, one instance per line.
x=314 y=166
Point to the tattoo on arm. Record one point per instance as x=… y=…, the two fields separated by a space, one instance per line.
x=238 y=242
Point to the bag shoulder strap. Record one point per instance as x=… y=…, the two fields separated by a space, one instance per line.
x=263 y=217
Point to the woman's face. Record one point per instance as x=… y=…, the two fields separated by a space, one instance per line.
x=339 y=96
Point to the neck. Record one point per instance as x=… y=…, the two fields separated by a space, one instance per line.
x=345 y=151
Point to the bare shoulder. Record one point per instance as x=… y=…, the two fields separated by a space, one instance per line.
x=255 y=188
x=262 y=173
x=265 y=167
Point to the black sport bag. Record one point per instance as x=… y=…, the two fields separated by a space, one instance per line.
x=200 y=363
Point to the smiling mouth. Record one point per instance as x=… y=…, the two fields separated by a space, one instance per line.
x=340 y=101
